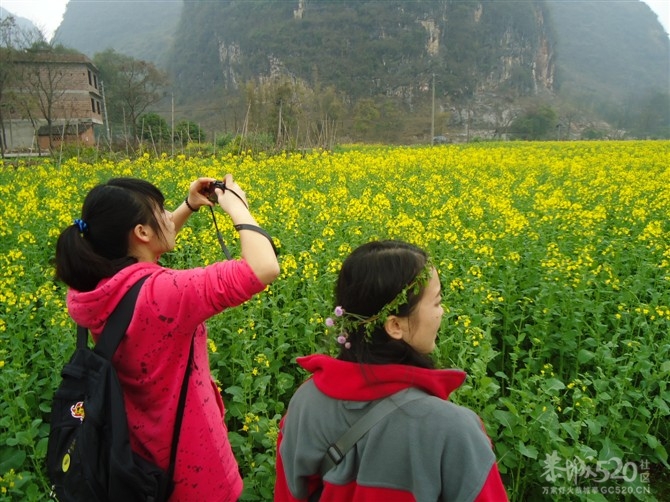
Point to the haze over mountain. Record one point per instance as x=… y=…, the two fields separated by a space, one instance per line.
x=487 y=58
x=26 y=25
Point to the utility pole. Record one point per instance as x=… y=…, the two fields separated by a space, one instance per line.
x=432 y=120
x=172 y=125
x=104 y=107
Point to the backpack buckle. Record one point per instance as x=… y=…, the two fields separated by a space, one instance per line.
x=335 y=454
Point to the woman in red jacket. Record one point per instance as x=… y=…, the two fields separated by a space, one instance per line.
x=389 y=309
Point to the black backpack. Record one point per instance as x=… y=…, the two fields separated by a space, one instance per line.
x=88 y=455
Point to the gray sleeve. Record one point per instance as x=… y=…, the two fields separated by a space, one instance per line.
x=467 y=456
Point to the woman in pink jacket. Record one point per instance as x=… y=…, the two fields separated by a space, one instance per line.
x=123 y=230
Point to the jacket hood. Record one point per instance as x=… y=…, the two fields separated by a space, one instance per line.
x=366 y=382
x=92 y=308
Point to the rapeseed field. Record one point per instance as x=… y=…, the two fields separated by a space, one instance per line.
x=555 y=267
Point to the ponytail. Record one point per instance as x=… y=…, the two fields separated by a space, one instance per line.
x=77 y=265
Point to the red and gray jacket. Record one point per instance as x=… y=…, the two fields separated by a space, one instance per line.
x=430 y=450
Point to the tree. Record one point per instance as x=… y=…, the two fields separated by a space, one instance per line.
x=366 y=116
x=41 y=77
x=187 y=131
x=535 y=124
x=328 y=110
x=7 y=73
x=284 y=113
x=12 y=40
x=153 y=127
x=131 y=86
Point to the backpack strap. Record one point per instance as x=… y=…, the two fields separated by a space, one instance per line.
x=337 y=450
x=180 y=412
x=118 y=322
x=116 y=325
x=109 y=340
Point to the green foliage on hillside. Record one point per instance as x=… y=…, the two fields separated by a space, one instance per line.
x=361 y=48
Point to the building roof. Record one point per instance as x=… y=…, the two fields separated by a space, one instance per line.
x=53 y=57
x=70 y=129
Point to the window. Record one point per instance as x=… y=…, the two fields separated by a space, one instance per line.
x=90 y=82
x=97 y=105
x=95 y=81
x=93 y=105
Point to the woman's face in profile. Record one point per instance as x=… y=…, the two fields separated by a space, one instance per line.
x=425 y=319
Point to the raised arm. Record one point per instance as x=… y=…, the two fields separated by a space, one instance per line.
x=195 y=199
x=256 y=247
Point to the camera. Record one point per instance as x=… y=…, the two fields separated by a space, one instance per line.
x=218 y=184
x=211 y=194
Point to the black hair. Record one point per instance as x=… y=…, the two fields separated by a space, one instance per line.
x=370 y=278
x=110 y=211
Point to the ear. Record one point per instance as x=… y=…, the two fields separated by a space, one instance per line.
x=396 y=327
x=142 y=233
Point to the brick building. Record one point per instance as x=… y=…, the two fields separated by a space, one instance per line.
x=57 y=99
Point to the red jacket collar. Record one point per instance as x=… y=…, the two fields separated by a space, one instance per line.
x=367 y=382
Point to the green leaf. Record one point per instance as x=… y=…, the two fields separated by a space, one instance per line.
x=662 y=453
x=571 y=430
x=41 y=448
x=609 y=451
x=662 y=406
x=510 y=405
x=236 y=439
x=553 y=384
x=584 y=356
x=527 y=451
x=24 y=437
x=236 y=392
x=507 y=419
x=11 y=458
x=605 y=396
x=594 y=426
x=652 y=441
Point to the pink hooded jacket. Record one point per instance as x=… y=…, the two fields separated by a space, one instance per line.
x=151 y=362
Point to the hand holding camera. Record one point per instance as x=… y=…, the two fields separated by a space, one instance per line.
x=227 y=185
x=211 y=194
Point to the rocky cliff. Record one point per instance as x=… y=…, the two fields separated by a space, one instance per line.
x=367 y=48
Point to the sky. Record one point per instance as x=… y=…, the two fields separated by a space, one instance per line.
x=47 y=14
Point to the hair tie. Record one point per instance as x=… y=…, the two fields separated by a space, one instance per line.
x=81 y=225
